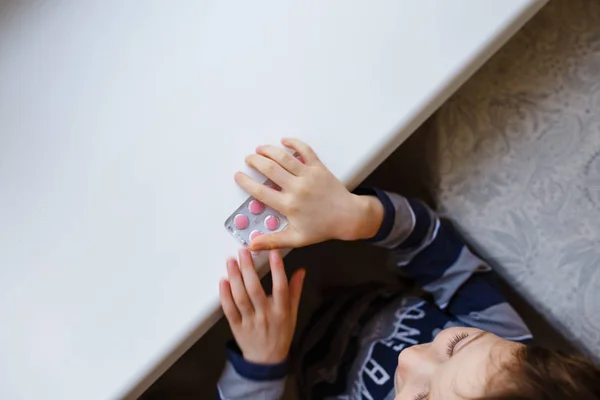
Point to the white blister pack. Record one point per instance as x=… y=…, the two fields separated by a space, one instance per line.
x=253 y=218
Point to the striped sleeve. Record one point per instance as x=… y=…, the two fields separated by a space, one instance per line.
x=244 y=380
x=431 y=252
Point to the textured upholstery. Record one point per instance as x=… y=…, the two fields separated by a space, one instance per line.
x=516 y=161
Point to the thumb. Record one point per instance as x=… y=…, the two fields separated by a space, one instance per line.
x=296 y=284
x=272 y=241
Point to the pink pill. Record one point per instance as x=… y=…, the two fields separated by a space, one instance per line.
x=255 y=234
x=271 y=223
x=240 y=221
x=256 y=207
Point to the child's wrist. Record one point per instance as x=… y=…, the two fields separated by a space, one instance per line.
x=265 y=359
x=368 y=217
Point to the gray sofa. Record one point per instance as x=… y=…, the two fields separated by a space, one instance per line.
x=514 y=159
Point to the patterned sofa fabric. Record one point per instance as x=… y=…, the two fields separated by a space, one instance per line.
x=516 y=161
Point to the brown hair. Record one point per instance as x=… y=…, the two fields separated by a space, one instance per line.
x=544 y=374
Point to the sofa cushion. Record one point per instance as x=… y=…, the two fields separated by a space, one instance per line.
x=517 y=165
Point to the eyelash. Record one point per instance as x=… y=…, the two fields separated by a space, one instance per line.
x=420 y=397
x=454 y=341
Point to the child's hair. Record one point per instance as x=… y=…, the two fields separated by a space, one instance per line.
x=544 y=374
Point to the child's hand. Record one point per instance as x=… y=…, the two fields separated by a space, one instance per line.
x=317 y=205
x=262 y=326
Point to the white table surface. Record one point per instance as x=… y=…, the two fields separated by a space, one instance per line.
x=122 y=123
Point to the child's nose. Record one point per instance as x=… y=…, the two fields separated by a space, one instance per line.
x=413 y=360
x=408 y=357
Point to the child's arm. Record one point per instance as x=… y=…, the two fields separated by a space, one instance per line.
x=433 y=253
x=263 y=328
x=319 y=207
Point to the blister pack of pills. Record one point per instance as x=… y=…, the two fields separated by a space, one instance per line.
x=254 y=218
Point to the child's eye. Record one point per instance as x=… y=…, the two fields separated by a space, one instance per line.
x=454 y=341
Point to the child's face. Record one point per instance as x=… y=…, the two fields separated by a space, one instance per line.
x=458 y=364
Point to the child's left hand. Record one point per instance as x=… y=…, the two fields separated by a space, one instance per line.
x=263 y=326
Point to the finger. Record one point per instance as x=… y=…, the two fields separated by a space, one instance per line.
x=267 y=195
x=296 y=284
x=284 y=239
x=270 y=169
x=302 y=148
x=280 y=282
x=251 y=281
x=229 y=309
x=242 y=301
x=281 y=157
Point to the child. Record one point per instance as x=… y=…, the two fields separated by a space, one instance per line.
x=466 y=342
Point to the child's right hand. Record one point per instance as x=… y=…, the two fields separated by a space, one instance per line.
x=317 y=205
x=263 y=326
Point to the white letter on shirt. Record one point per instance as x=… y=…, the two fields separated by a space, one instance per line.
x=376 y=372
